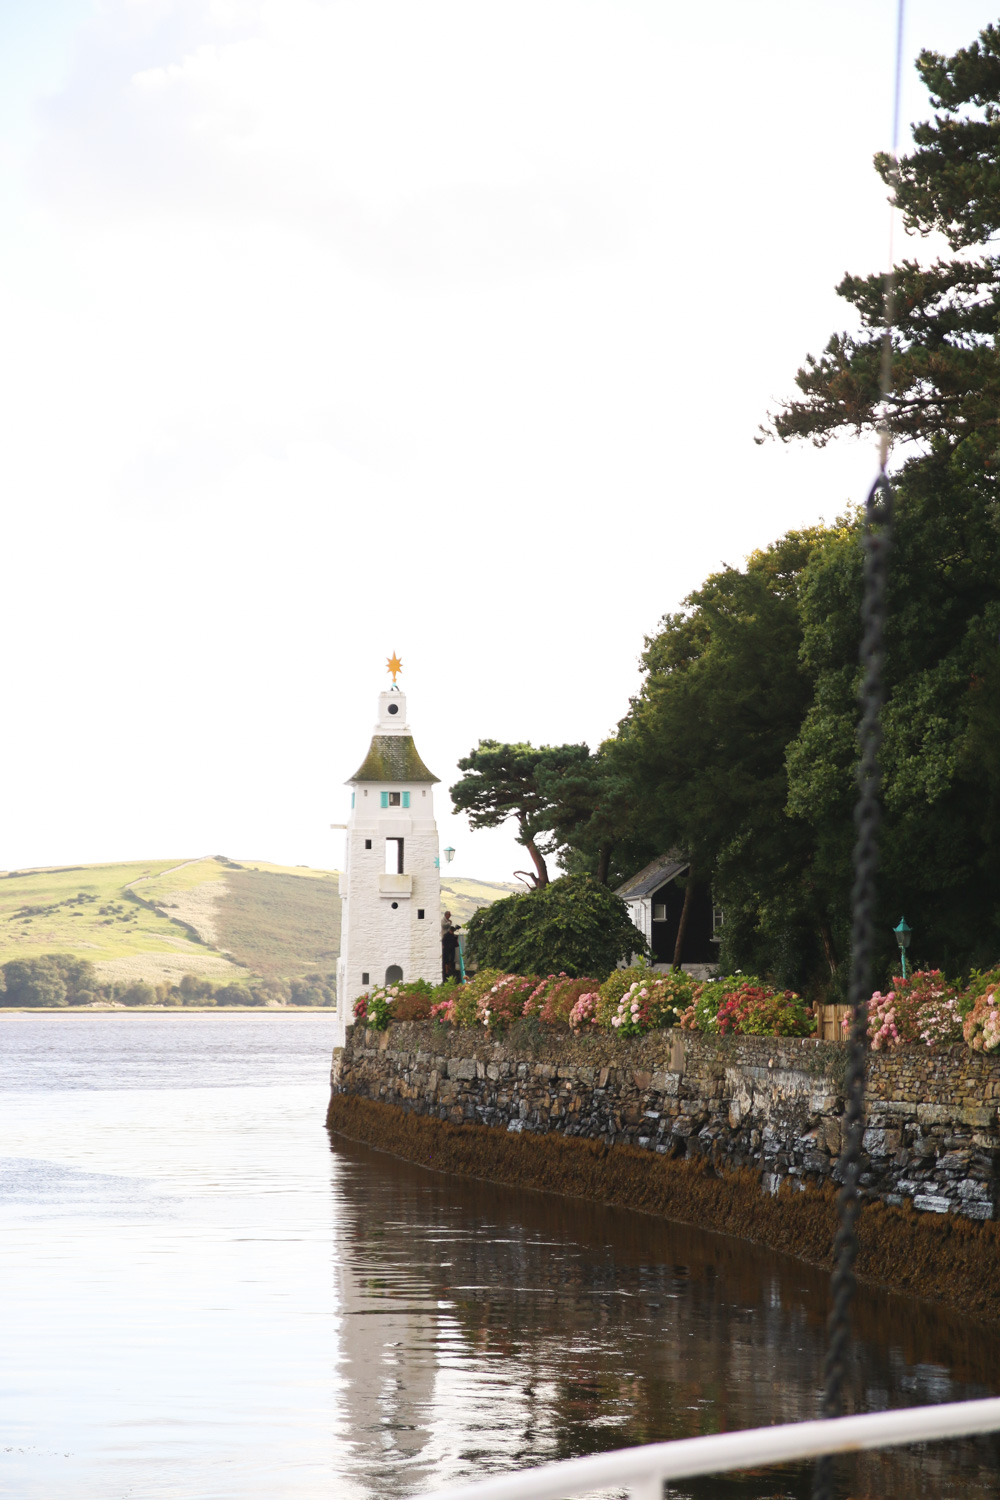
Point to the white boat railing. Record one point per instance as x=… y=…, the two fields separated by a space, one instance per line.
x=644 y=1471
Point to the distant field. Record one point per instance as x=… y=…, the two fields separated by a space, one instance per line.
x=463 y=897
x=90 y=911
x=161 y=919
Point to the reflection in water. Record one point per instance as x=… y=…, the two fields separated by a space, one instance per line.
x=486 y=1328
x=202 y=1302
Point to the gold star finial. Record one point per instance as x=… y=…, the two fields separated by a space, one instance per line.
x=394 y=665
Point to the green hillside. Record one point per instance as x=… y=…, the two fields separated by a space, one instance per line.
x=463 y=897
x=158 y=920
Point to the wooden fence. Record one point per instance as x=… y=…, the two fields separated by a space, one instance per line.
x=830 y=1022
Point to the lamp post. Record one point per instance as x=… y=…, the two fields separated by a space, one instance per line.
x=903 y=935
x=449 y=855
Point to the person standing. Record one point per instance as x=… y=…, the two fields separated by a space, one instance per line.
x=449 y=947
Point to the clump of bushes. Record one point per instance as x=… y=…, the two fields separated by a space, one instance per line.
x=61 y=979
x=57 y=979
x=651 y=1002
x=981 y=1027
x=755 y=1010
x=925 y=1009
x=574 y=926
x=416 y=1000
x=628 y=1003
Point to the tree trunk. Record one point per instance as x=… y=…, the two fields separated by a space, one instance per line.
x=682 y=924
x=831 y=957
x=538 y=860
x=604 y=862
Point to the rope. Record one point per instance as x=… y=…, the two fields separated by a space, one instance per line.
x=876 y=542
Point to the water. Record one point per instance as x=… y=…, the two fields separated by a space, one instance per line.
x=203 y=1301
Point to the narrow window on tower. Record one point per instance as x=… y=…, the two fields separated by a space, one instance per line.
x=368 y=843
x=394 y=856
x=420 y=914
x=364 y=978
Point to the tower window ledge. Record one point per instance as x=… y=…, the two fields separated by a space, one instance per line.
x=395 y=885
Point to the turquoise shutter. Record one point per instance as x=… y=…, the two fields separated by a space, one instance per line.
x=385 y=799
x=352 y=799
x=406 y=799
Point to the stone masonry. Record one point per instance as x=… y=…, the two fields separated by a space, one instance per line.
x=772 y=1104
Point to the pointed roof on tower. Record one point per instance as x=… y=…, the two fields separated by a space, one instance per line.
x=392 y=755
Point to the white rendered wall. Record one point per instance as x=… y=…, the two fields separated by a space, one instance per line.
x=381 y=928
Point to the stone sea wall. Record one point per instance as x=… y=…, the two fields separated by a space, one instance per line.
x=774 y=1105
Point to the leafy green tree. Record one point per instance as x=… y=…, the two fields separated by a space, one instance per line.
x=57 y=979
x=516 y=781
x=592 y=816
x=34 y=981
x=573 y=925
x=940 y=794
x=951 y=183
x=945 y=386
x=705 y=744
x=233 y=994
x=314 y=989
x=940 y=861
x=196 y=991
x=139 y=993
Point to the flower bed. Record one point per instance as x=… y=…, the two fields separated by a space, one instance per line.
x=925 y=1009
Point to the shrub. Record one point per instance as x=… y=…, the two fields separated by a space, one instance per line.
x=413 y=1001
x=614 y=987
x=197 y=991
x=465 y=999
x=979 y=1003
x=443 y=999
x=583 y=1017
x=270 y=991
x=55 y=979
x=981 y=1028
x=574 y=925
x=754 y=1010
x=921 y=1009
x=553 y=998
x=139 y=993
x=233 y=994
x=314 y=989
x=505 y=1000
x=376 y=1008
x=653 y=1002
x=981 y=982
x=703 y=1014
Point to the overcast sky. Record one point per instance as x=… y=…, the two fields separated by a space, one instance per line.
x=338 y=327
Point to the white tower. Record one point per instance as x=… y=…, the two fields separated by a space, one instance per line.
x=390 y=888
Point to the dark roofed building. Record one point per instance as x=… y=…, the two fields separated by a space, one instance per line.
x=655 y=899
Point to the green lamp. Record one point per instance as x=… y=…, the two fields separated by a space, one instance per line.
x=903 y=935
